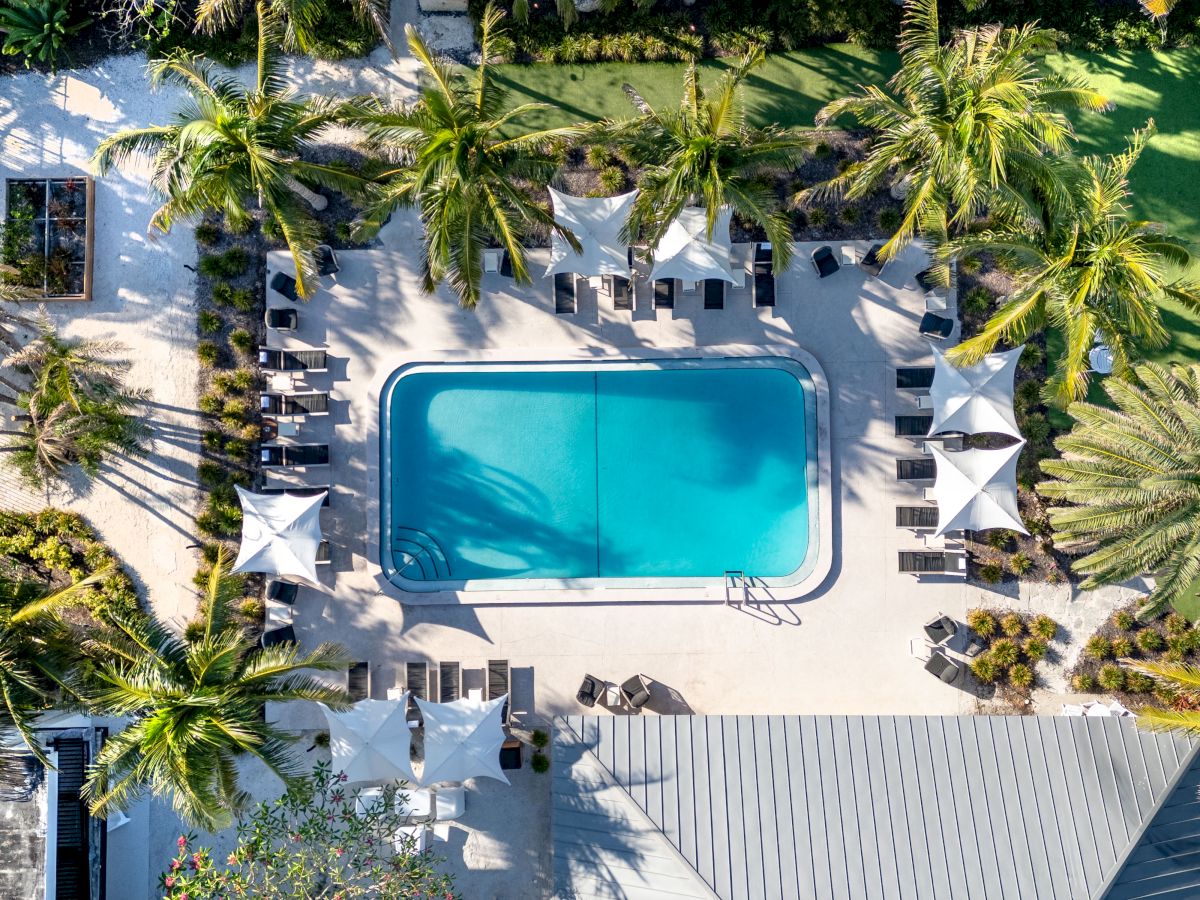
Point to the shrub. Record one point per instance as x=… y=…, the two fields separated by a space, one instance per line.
x=251 y=609
x=207 y=233
x=970 y=265
x=540 y=738
x=208 y=353
x=1098 y=647
x=229 y=264
x=1020 y=563
x=39 y=30
x=243 y=379
x=1012 y=624
x=1020 y=676
x=1028 y=395
x=210 y=403
x=1034 y=649
x=1032 y=357
x=1111 y=677
x=612 y=179
x=1036 y=428
x=818 y=217
x=194 y=631
x=1083 y=683
x=238 y=225
x=242 y=300
x=1177 y=646
x=1149 y=640
x=212 y=440
x=991 y=573
x=242 y=340
x=822 y=150
x=1000 y=538
x=540 y=762
x=236 y=448
x=271 y=229
x=850 y=214
x=1191 y=640
x=977 y=301
x=1138 y=683
x=1176 y=624
x=982 y=622
x=597 y=156
x=222 y=293
x=210 y=322
x=889 y=220
x=985 y=669
x=235 y=408
x=1004 y=652
x=1044 y=627
x=1124 y=620
x=210 y=473
x=1121 y=647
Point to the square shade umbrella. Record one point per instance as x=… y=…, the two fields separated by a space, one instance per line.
x=371 y=741
x=685 y=251
x=975 y=399
x=597 y=223
x=463 y=739
x=280 y=534
x=977 y=489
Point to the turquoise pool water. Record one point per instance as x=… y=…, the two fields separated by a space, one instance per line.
x=677 y=469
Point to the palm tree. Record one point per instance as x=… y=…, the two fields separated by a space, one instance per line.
x=38 y=654
x=301 y=18
x=196 y=707
x=466 y=164
x=1088 y=270
x=1182 y=681
x=1129 y=479
x=704 y=153
x=963 y=127
x=230 y=142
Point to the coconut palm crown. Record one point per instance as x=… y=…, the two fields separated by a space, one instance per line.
x=964 y=127
x=196 y=706
x=703 y=153
x=1129 y=483
x=301 y=19
x=1089 y=270
x=467 y=164
x=231 y=145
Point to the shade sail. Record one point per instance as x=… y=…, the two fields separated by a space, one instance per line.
x=977 y=489
x=686 y=253
x=371 y=741
x=280 y=534
x=463 y=739
x=975 y=399
x=597 y=223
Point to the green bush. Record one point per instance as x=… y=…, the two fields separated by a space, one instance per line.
x=1044 y=627
x=242 y=300
x=889 y=220
x=38 y=30
x=991 y=573
x=1098 y=647
x=251 y=609
x=212 y=440
x=1149 y=640
x=818 y=217
x=1036 y=428
x=210 y=403
x=1111 y=677
x=210 y=322
x=1012 y=625
x=1138 y=683
x=1034 y=649
x=235 y=408
x=236 y=448
x=208 y=353
x=244 y=379
x=540 y=738
x=242 y=340
x=977 y=301
x=982 y=622
x=540 y=762
x=230 y=264
x=1124 y=620
x=850 y=214
x=1020 y=676
x=1177 y=645
x=1121 y=647
x=210 y=473
x=985 y=668
x=1000 y=538
x=1019 y=563
x=1032 y=357
x=1083 y=683
x=612 y=179
x=207 y=234
x=342 y=34
x=1176 y=624
x=194 y=631
x=1004 y=652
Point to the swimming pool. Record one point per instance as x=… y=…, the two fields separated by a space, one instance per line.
x=665 y=472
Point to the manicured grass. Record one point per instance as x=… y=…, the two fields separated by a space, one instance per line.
x=787 y=89
x=1188 y=605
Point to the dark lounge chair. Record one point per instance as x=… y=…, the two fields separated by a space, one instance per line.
x=309 y=404
x=416 y=682
x=298 y=491
x=565 y=302
x=622 y=292
x=916 y=516
x=764 y=252
x=505 y=265
x=914 y=378
x=287 y=455
x=449 y=682
x=282 y=319
x=936 y=327
x=824 y=262
x=664 y=293
x=591 y=690
x=923 y=469
x=358 y=681
x=932 y=562
x=326 y=260
x=913 y=426
x=272 y=360
x=941 y=629
x=277 y=636
x=943 y=667
x=283 y=592
x=871 y=263
x=282 y=283
x=764 y=284
x=499 y=685
x=714 y=293
x=926 y=282
x=636 y=691
x=510 y=754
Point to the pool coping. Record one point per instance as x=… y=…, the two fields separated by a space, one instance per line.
x=522 y=591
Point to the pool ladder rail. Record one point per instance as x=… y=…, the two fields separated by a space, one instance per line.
x=735 y=581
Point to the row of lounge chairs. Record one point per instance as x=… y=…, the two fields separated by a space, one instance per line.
x=442 y=682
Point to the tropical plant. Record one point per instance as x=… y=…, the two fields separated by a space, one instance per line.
x=1177 y=685
x=317 y=840
x=196 y=707
x=466 y=163
x=300 y=20
x=231 y=144
x=1128 y=482
x=703 y=153
x=1088 y=270
x=962 y=128
x=38 y=29
x=1159 y=10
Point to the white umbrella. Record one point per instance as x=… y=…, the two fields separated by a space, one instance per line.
x=597 y=223
x=371 y=740
x=975 y=399
x=463 y=739
x=686 y=253
x=977 y=489
x=280 y=534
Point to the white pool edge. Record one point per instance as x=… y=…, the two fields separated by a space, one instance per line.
x=522 y=591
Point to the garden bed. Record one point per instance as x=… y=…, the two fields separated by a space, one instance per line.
x=47 y=237
x=1014 y=644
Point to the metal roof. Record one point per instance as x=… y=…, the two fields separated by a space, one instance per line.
x=1037 y=808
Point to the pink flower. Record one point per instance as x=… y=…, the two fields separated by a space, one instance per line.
x=175 y=864
x=232 y=859
x=169 y=881
x=183 y=897
x=341 y=776
x=295 y=837
x=338 y=850
x=182 y=842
